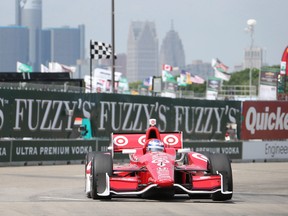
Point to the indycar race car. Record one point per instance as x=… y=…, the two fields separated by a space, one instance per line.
x=158 y=167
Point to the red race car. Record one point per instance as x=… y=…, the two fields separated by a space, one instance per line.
x=158 y=167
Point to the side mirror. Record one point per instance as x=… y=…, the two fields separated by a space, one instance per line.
x=185 y=150
x=128 y=151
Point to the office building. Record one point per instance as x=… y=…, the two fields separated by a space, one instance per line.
x=142 y=51
x=63 y=45
x=200 y=68
x=253 y=58
x=14 y=46
x=29 y=14
x=171 y=51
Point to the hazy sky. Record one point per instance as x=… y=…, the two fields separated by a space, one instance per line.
x=208 y=28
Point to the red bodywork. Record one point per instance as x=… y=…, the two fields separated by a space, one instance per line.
x=160 y=170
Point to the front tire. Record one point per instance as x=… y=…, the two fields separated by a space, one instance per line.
x=222 y=164
x=102 y=163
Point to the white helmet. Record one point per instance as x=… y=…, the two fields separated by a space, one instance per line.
x=155 y=145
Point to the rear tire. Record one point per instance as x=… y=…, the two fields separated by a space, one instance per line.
x=222 y=164
x=102 y=163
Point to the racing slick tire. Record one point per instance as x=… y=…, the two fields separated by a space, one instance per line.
x=102 y=163
x=89 y=156
x=222 y=164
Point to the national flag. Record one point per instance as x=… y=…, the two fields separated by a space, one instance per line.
x=44 y=69
x=216 y=63
x=182 y=79
x=188 y=78
x=123 y=85
x=222 y=75
x=199 y=79
x=148 y=81
x=57 y=67
x=166 y=76
x=66 y=68
x=220 y=70
x=99 y=50
x=167 y=67
x=23 y=68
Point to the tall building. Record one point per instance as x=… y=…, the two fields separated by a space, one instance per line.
x=14 y=46
x=142 y=51
x=171 y=51
x=253 y=58
x=29 y=14
x=64 y=45
x=200 y=68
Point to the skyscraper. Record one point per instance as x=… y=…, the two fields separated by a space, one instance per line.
x=29 y=14
x=142 y=51
x=171 y=51
x=64 y=45
x=14 y=47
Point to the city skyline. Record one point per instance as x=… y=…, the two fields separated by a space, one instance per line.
x=208 y=29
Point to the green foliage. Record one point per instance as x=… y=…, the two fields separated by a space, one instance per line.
x=243 y=78
x=135 y=85
x=197 y=88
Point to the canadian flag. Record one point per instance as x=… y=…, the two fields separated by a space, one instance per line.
x=167 y=67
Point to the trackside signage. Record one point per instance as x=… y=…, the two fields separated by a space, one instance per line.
x=232 y=149
x=273 y=150
x=197 y=119
x=5 y=151
x=39 y=114
x=46 y=150
x=266 y=120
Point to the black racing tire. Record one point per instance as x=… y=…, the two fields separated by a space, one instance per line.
x=89 y=156
x=222 y=164
x=102 y=163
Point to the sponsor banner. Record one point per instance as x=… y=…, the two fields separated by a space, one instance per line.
x=5 y=151
x=268 y=83
x=268 y=76
x=197 y=119
x=265 y=150
x=232 y=149
x=266 y=120
x=267 y=92
x=47 y=150
x=40 y=114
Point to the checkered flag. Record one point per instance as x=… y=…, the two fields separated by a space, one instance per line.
x=99 y=50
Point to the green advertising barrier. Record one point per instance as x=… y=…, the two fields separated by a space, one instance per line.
x=51 y=115
x=232 y=149
x=47 y=151
x=5 y=149
x=51 y=150
x=15 y=151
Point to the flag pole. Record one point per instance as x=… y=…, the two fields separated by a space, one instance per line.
x=113 y=49
x=90 y=68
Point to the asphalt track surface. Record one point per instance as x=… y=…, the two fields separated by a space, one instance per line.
x=259 y=189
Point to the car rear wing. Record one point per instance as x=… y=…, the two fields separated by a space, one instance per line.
x=122 y=141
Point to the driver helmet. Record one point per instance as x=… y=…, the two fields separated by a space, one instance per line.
x=155 y=145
